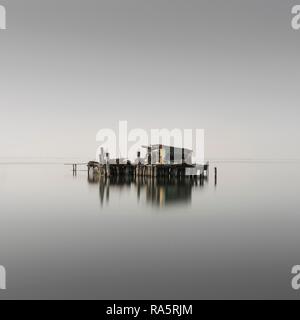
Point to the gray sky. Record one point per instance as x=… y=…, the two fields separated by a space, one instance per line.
x=69 y=68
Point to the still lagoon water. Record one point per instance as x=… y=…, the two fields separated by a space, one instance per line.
x=67 y=237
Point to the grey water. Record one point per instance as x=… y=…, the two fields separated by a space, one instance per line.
x=70 y=237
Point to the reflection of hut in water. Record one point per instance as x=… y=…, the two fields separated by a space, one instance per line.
x=160 y=191
x=169 y=191
x=112 y=184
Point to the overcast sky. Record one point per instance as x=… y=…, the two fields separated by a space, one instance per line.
x=69 y=68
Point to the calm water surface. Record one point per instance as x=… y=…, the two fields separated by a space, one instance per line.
x=62 y=236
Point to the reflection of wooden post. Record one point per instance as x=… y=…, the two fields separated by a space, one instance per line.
x=138 y=189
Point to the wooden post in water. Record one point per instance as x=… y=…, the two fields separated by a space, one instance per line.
x=216 y=176
x=107 y=165
x=139 y=157
x=201 y=179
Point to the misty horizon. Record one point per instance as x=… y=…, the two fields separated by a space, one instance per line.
x=228 y=68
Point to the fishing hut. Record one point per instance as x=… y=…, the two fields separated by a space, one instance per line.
x=160 y=161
